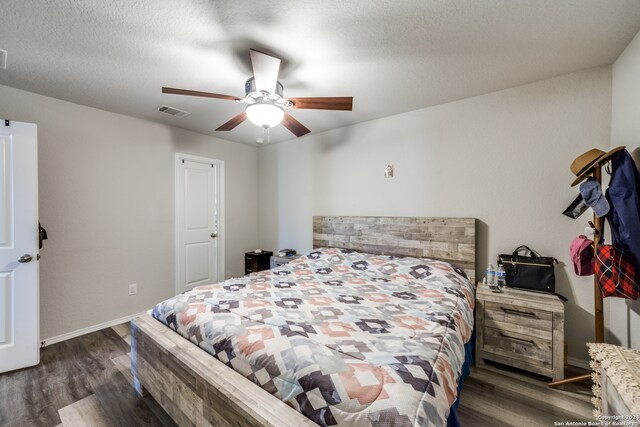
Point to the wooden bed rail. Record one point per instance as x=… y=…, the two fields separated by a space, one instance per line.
x=197 y=389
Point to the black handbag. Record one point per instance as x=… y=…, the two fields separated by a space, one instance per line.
x=533 y=272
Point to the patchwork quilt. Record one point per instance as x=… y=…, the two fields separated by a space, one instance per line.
x=346 y=338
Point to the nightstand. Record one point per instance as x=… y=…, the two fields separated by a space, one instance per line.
x=520 y=329
x=277 y=261
x=256 y=261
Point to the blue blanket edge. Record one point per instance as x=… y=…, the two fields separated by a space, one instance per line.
x=453 y=421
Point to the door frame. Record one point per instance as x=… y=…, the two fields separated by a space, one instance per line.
x=179 y=157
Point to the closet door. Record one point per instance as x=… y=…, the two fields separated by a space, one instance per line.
x=198 y=222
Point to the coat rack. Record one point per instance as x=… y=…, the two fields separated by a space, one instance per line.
x=597 y=296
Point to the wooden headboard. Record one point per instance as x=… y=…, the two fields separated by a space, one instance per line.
x=448 y=239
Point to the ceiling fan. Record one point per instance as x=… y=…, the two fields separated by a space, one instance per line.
x=266 y=106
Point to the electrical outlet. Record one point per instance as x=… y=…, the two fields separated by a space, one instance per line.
x=133 y=288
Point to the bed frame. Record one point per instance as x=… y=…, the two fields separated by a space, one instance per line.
x=195 y=388
x=448 y=239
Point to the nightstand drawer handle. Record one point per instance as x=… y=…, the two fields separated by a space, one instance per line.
x=519 y=313
x=517 y=339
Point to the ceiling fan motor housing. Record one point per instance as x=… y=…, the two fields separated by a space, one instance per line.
x=250 y=87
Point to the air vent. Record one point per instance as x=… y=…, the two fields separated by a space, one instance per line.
x=172 y=111
x=3 y=59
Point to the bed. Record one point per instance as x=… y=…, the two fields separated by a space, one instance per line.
x=341 y=336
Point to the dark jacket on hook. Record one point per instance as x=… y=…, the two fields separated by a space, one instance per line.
x=623 y=195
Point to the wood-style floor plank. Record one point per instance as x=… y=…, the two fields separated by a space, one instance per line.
x=472 y=418
x=515 y=409
x=543 y=396
x=502 y=396
x=84 y=413
x=124 y=331
x=69 y=372
x=123 y=406
x=123 y=364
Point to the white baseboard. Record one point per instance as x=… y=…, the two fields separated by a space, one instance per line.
x=88 y=330
x=580 y=363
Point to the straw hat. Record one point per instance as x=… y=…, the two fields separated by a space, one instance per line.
x=582 y=165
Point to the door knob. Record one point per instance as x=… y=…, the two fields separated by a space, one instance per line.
x=214 y=235
x=25 y=258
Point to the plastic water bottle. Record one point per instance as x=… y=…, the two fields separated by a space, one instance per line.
x=501 y=277
x=491 y=276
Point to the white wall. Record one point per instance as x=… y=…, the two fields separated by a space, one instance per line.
x=106 y=199
x=625 y=130
x=502 y=158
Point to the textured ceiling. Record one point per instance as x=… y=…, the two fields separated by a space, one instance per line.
x=392 y=56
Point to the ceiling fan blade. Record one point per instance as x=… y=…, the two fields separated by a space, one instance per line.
x=265 y=70
x=344 y=103
x=175 y=91
x=235 y=121
x=296 y=128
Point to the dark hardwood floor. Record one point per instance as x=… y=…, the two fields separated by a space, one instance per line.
x=69 y=372
x=497 y=395
x=86 y=381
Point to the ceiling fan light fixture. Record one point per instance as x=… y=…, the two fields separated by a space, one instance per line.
x=265 y=114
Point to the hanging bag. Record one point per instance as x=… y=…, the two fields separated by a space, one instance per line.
x=533 y=272
x=582 y=255
x=615 y=271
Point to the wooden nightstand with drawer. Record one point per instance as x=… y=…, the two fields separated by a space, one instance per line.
x=521 y=329
x=277 y=261
x=256 y=261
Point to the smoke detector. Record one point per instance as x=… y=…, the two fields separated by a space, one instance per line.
x=3 y=59
x=172 y=111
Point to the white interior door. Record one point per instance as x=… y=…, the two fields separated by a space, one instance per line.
x=19 y=289
x=199 y=231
